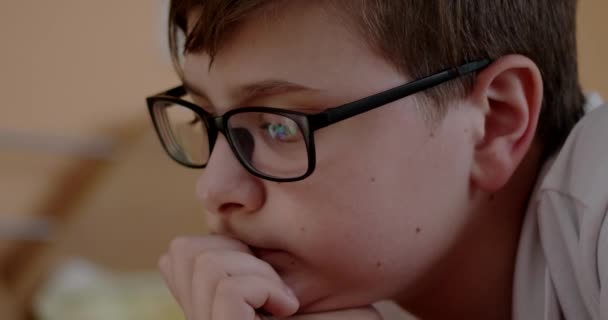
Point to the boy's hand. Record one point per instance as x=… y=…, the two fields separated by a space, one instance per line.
x=368 y=313
x=218 y=278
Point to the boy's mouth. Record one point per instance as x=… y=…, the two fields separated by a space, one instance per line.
x=262 y=253
x=278 y=259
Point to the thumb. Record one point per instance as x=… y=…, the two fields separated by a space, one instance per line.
x=238 y=298
x=364 y=313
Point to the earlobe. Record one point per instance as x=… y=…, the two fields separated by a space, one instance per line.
x=510 y=93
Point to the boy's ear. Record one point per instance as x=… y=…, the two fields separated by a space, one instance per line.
x=509 y=93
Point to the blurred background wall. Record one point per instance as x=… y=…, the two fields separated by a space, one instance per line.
x=81 y=173
x=593 y=45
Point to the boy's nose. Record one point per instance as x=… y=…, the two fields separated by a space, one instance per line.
x=225 y=187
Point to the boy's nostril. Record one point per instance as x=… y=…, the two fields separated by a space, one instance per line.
x=228 y=208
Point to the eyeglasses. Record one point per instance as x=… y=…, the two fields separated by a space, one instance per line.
x=271 y=143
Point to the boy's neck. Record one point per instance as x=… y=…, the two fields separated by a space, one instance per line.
x=475 y=281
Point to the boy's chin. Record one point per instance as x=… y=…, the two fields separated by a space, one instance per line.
x=313 y=300
x=279 y=260
x=329 y=305
x=315 y=293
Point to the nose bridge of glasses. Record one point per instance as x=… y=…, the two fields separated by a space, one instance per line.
x=217 y=124
x=240 y=139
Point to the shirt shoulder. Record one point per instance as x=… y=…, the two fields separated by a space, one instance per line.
x=570 y=208
x=580 y=169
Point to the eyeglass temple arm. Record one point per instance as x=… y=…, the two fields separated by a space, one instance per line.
x=346 y=111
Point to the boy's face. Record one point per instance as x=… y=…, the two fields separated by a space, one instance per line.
x=390 y=193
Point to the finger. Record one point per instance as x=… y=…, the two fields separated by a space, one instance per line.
x=210 y=242
x=210 y=268
x=183 y=251
x=165 y=267
x=364 y=313
x=238 y=298
x=164 y=264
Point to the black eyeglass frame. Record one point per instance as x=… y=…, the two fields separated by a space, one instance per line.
x=308 y=123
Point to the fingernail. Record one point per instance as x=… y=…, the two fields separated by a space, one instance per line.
x=290 y=293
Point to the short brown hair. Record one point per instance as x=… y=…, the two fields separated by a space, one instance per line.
x=422 y=37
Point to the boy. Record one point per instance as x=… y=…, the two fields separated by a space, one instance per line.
x=464 y=195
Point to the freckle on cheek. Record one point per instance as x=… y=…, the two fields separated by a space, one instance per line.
x=372 y=179
x=418 y=230
x=379 y=264
x=303 y=229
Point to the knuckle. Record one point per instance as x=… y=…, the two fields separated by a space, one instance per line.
x=205 y=261
x=179 y=244
x=227 y=287
x=240 y=246
x=268 y=268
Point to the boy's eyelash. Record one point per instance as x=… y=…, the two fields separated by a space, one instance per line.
x=194 y=121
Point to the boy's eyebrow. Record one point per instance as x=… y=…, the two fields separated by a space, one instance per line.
x=257 y=89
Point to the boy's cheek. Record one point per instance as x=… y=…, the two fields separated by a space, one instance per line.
x=350 y=266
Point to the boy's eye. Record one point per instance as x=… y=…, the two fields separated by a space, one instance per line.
x=195 y=120
x=285 y=130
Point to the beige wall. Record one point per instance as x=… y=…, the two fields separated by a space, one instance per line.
x=593 y=45
x=71 y=67
x=72 y=72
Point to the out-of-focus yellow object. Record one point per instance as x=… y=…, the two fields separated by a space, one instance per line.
x=81 y=291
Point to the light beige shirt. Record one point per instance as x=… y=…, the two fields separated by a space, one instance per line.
x=562 y=262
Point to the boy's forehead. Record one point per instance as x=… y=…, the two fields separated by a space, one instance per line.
x=275 y=19
x=295 y=46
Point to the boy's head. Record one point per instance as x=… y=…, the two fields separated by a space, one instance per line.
x=421 y=37
x=400 y=195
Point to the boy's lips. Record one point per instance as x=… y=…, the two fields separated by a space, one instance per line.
x=262 y=252
x=278 y=259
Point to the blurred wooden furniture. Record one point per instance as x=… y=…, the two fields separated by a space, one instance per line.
x=67 y=75
x=8 y=307
x=35 y=208
x=119 y=213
